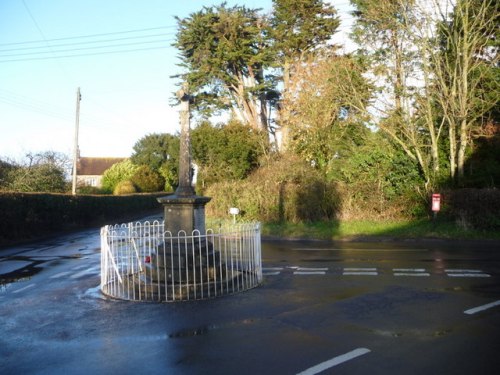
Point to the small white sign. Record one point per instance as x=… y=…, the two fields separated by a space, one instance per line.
x=234 y=211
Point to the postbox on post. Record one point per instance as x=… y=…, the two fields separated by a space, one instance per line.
x=436 y=202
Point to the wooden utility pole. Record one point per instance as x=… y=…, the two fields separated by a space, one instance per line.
x=75 y=146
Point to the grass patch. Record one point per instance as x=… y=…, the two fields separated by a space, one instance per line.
x=377 y=229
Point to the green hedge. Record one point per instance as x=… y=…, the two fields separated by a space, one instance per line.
x=474 y=208
x=31 y=215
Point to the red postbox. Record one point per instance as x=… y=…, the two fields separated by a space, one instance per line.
x=436 y=202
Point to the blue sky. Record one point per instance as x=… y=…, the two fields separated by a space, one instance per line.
x=125 y=95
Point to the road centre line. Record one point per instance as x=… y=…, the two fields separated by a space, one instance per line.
x=482 y=308
x=371 y=250
x=312 y=269
x=408 y=269
x=350 y=271
x=309 y=272
x=469 y=275
x=463 y=271
x=335 y=361
x=272 y=268
x=359 y=269
x=411 y=274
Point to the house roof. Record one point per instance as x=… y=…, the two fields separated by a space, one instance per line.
x=95 y=166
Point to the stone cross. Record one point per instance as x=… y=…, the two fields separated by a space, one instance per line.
x=185 y=187
x=184 y=210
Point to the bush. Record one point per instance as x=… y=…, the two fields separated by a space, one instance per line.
x=116 y=173
x=124 y=187
x=147 y=180
x=476 y=208
x=286 y=190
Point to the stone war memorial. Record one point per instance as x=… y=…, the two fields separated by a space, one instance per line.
x=178 y=259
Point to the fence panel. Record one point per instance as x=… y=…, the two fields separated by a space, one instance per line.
x=143 y=262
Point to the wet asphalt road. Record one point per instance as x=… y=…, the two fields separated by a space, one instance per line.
x=331 y=308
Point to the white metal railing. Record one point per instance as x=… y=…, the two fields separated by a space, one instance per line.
x=142 y=262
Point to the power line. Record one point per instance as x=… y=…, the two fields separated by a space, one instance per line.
x=87 y=42
x=83 y=54
x=87 y=36
x=53 y=51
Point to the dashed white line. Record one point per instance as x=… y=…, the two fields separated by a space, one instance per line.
x=360 y=269
x=411 y=272
x=312 y=269
x=465 y=273
x=271 y=271
x=462 y=271
x=408 y=269
x=482 y=308
x=360 y=272
x=335 y=361
x=469 y=275
x=425 y=274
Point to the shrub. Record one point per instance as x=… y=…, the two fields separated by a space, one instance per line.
x=288 y=189
x=116 y=173
x=124 y=187
x=477 y=208
x=147 y=180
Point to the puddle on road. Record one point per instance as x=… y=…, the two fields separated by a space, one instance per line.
x=23 y=268
x=199 y=331
x=17 y=276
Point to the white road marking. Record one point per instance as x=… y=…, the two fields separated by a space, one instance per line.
x=271 y=273
x=352 y=250
x=482 y=308
x=312 y=269
x=335 y=361
x=309 y=273
x=272 y=268
x=360 y=269
x=462 y=271
x=469 y=275
x=410 y=272
x=408 y=269
x=466 y=273
x=360 y=272
x=25 y=288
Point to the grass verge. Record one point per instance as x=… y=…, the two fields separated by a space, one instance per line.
x=376 y=229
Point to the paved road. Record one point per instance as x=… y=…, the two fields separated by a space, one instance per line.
x=328 y=308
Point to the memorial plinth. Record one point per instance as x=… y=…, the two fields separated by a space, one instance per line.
x=184 y=213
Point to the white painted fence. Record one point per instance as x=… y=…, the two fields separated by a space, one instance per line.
x=142 y=262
